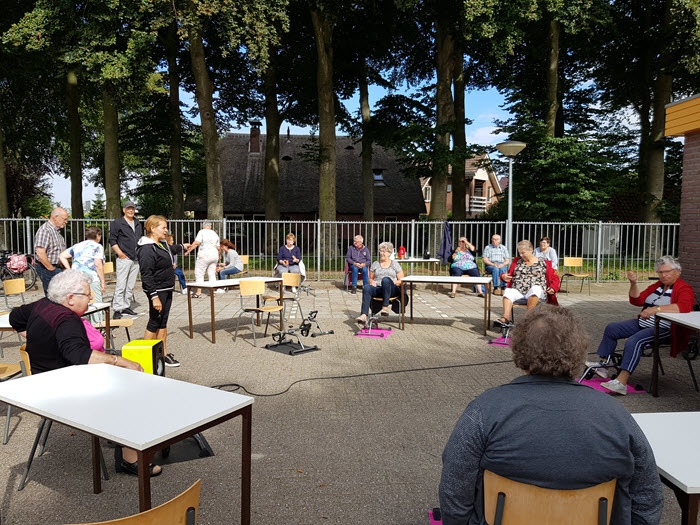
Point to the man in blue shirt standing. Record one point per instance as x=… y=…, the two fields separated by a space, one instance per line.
x=358 y=259
x=496 y=261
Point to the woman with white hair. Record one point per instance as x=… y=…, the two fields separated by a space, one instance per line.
x=670 y=294
x=208 y=255
x=384 y=280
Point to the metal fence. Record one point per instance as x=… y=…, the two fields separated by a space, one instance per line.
x=608 y=249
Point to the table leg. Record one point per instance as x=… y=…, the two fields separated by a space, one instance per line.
x=213 y=317
x=108 y=337
x=246 y=459
x=403 y=311
x=655 y=363
x=189 y=311
x=689 y=503
x=489 y=290
x=96 y=466
x=411 y=301
x=487 y=296
x=144 y=459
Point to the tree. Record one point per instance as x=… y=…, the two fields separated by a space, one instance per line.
x=98 y=210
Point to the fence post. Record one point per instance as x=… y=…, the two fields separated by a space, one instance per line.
x=413 y=238
x=599 y=251
x=318 y=251
x=28 y=237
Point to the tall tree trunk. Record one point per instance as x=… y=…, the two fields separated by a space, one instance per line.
x=75 y=131
x=459 y=179
x=4 y=201
x=111 y=137
x=273 y=122
x=367 y=173
x=445 y=115
x=323 y=30
x=552 y=79
x=172 y=45
x=204 y=90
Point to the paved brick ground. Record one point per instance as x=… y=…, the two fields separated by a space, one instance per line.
x=349 y=434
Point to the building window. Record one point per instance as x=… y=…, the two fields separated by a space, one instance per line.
x=449 y=188
x=427 y=190
x=378 y=177
x=489 y=193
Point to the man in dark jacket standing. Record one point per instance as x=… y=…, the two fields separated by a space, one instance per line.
x=124 y=233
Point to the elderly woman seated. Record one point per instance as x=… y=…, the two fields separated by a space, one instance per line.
x=384 y=280
x=529 y=278
x=670 y=294
x=56 y=338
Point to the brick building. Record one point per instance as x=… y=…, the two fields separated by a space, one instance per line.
x=683 y=120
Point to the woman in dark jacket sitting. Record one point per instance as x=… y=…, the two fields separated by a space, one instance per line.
x=156 y=264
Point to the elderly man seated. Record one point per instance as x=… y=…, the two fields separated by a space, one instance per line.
x=529 y=278
x=545 y=429
x=56 y=338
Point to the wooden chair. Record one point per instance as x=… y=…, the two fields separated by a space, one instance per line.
x=14 y=287
x=181 y=510
x=113 y=325
x=254 y=288
x=244 y=271
x=110 y=274
x=510 y=502
x=572 y=268
x=288 y=279
x=8 y=371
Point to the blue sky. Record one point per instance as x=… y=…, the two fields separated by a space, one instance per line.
x=482 y=107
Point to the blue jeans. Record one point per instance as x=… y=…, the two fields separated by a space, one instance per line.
x=471 y=272
x=181 y=277
x=386 y=290
x=496 y=274
x=354 y=271
x=46 y=275
x=637 y=339
x=223 y=274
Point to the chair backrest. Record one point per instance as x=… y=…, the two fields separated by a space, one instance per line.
x=108 y=267
x=251 y=287
x=291 y=279
x=525 y=504
x=14 y=286
x=24 y=361
x=572 y=262
x=181 y=510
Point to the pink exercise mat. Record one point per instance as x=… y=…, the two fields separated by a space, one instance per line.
x=374 y=333
x=595 y=382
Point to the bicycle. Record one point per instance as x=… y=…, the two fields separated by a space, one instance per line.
x=7 y=272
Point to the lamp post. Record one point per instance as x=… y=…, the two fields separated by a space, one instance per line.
x=510 y=149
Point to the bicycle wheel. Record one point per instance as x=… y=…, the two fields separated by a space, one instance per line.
x=30 y=277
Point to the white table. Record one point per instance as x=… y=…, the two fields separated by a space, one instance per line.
x=135 y=416
x=212 y=286
x=434 y=265
x=672 y=437
x=689 y=320
x=449 y=279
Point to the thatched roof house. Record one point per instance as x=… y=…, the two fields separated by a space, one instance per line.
x=242 y=167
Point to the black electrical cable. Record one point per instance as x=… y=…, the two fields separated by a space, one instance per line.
x=232 y=387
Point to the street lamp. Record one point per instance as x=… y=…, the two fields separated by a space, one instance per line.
x=510 y=149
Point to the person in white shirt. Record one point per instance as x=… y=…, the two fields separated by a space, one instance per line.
x=207 y=256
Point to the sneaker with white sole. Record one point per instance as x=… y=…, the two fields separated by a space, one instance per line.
x=184 y=291
x=615 y=386
x=171 y=361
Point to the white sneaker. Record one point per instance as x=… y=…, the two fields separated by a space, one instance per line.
x=220 y=290
x=615 y=386
x=294 y=289
x=184 y=291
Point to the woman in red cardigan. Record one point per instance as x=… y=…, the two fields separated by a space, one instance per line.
x=669 y=294
x=529 y=278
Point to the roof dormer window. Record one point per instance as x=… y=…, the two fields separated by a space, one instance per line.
x=378 y=177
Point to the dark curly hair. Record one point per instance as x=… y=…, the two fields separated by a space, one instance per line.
x=549 y=341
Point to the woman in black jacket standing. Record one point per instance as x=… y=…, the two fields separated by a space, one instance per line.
x=156 y=264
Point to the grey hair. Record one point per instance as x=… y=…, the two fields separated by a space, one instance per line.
x=362 y=239
x=207 y=223
x=66 y=283
x=387 y=247
x=667 y=259
x=525 y=245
